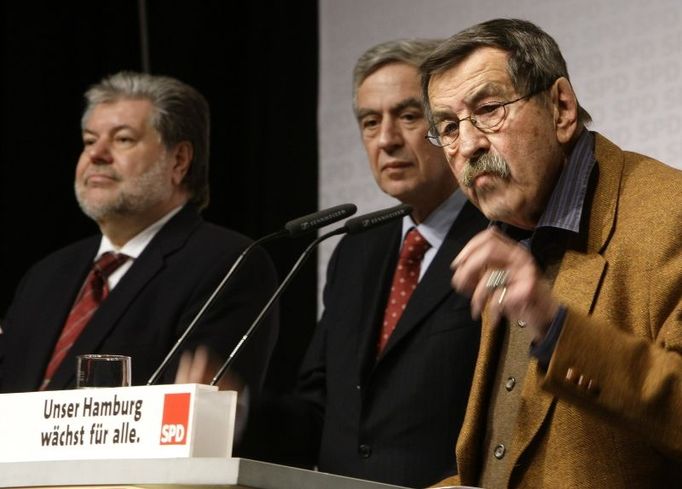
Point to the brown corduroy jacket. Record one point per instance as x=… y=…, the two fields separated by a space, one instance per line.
x=622 y=337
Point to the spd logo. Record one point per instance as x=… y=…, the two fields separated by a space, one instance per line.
x=175 y=419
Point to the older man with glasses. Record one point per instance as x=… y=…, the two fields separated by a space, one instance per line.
x=578 y=382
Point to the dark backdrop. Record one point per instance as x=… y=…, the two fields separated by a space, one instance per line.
x=256 y=63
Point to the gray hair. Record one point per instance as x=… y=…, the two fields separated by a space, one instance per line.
x=180 y=114
x=408 y=51
x=535 y=60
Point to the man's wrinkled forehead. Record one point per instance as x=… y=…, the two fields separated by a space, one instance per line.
x=482 y=74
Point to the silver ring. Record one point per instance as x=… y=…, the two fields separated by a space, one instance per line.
x=504 y=292
x=497 y=279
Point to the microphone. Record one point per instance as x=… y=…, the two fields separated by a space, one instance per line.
x=293 y=228
x=376 y=218
x=352 y=226
x=319 y=219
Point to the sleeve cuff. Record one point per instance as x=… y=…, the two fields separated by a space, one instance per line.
x=543 y=351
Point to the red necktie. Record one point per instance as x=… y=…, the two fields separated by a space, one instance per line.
x=405 y=280
x=93 y=292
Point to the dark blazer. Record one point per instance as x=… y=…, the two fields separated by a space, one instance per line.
x=148 y=309
x=393 y=419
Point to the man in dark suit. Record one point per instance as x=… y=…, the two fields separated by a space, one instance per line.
x=385 y=408
x=143 y=178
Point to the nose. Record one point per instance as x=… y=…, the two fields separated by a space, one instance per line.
x=390 y=136
x=99 y=152
x=471 y=140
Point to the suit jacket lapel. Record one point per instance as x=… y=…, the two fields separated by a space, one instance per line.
x=378 y=262
x=576 y=284
x=471 y=436
x=435 y=284
x=172 y=236
x=576 y=268
x=70 y=278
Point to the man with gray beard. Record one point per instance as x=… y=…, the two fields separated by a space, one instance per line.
x=143 y=178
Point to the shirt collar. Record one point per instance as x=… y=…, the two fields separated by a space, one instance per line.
x=565 y=206
x=436 y=226
x=135 y=246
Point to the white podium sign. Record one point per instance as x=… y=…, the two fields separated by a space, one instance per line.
x=164 y=421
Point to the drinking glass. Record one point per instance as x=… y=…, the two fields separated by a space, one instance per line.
x=97 y=370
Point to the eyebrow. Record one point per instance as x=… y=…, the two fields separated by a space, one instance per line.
x=485 y=90
x=471 y=100
x=114 y=129
x=408 y=103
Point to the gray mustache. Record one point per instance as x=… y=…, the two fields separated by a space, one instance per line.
x=490 y=163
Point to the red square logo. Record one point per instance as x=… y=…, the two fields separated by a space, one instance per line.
x=175 y=419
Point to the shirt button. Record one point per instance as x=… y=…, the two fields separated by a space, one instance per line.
x=521 y=323
x=358 y=387
x=365 y=451
x=509 y=385
x=499 y=451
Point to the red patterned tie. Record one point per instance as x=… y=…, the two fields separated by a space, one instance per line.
x=93 y=292
x=405 y=280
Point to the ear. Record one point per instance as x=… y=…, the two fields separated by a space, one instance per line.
x=565 y=105
x=182 y=159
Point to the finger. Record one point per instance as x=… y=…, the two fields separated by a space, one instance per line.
x=184 y=366
x=489 y=249
x=491 y=254
x=199 y=367
x=480 y=297
x=490 y=290
x=465 y=279
x=472 y=265
x=472 y=246
x=475 y=244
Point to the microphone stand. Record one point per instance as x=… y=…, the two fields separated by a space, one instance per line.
x=301 y=260
x=296 y=227
x=181 y=340
x=355 y=225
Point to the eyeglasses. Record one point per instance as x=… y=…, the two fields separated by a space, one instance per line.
x=486 y=117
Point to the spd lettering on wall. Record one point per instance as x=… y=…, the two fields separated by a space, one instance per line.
x=175 y=419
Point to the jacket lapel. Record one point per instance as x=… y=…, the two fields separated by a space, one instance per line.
x=576 y=268
x=58 y=302
x=469 y=444
x=435 y=284
x=576 y=284
x=379 y=263
x=171 y=237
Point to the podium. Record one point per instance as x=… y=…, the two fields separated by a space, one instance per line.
x=200 y=473
x=176 y=435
